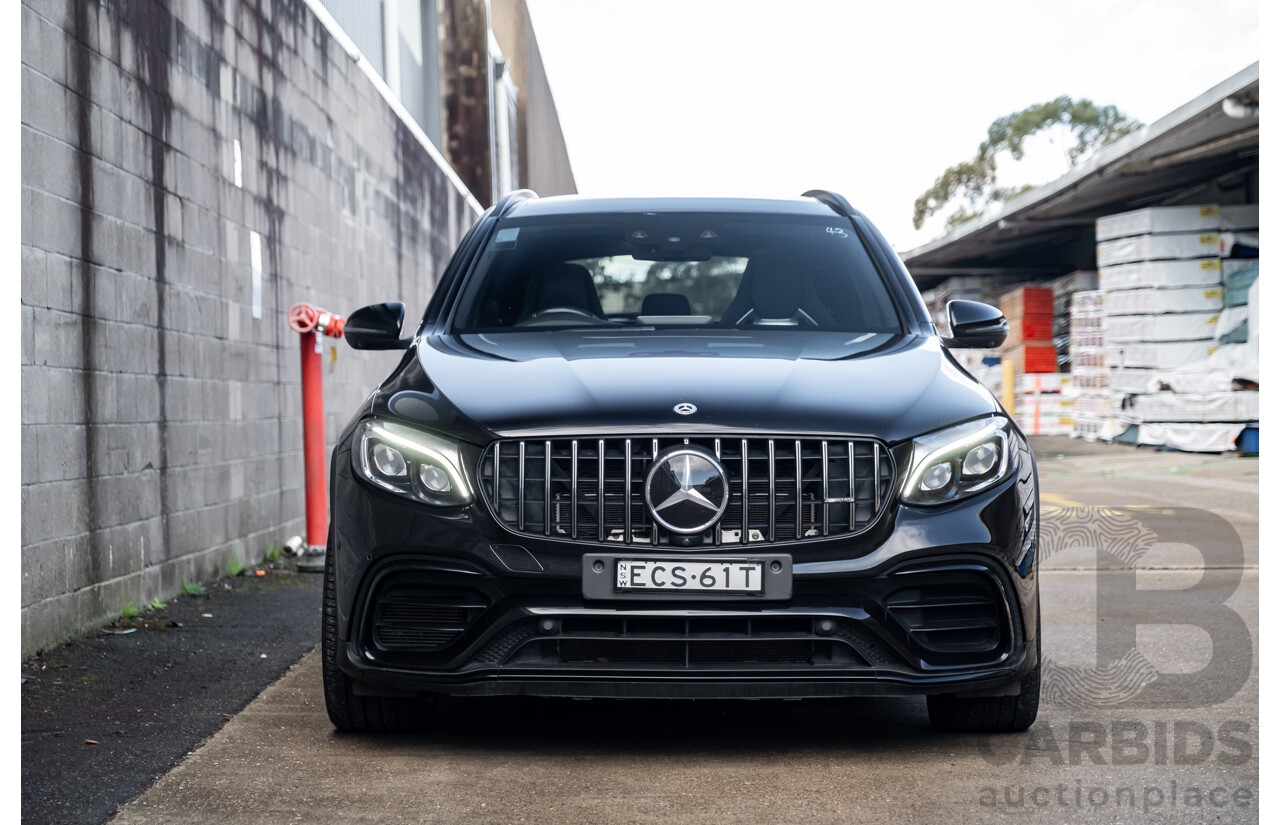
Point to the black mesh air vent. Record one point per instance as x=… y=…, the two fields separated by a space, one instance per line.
x=963 y=616
x=728 y=642
x=416 y=618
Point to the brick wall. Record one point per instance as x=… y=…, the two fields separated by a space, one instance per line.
x=190 y=169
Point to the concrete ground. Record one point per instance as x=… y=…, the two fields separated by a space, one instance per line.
x=1150 y=712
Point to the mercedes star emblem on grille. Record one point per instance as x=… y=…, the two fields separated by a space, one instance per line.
x=687 y=490
x=685 y=408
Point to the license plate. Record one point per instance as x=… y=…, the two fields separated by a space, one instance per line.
x=729 y=576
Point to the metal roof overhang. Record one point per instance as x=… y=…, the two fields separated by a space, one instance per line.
x=1046 y=231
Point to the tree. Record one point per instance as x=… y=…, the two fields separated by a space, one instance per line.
x=1093 y=126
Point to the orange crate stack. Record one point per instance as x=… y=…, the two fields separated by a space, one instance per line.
x=1035 y=357
x=1029 y=310
x=1027 y=300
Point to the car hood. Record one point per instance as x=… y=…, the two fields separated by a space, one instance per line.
x=891 y=387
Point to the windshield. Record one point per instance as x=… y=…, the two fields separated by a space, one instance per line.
x=688 y=270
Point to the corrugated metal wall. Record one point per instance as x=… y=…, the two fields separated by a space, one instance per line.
x=417 y=82
x=542 y=161
x=362 y=21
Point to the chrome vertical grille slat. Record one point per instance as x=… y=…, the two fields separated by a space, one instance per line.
x=853 y=485
x=546 y=489
x=773 y=495
x=573 y=492
x=799 y=493
x=745 y=536
x=875 y=473
x=579 y=494
x=626 y=535
x=653 y=530
x=600 y=495
x=719 y=531
x=520 y=496
x=826 y=492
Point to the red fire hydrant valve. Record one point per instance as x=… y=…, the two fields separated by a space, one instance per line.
x=304 y=318
x=310 y=321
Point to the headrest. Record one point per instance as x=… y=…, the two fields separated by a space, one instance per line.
x=665 y=303
x=567 y=285
x=777 y=283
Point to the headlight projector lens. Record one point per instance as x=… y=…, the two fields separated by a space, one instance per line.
x=980 y=460
x=936 y=477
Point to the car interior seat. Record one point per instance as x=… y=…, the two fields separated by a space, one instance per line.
x=777 y=290
x=564 y=285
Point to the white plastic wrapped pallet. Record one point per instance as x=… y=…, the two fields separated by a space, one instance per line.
x=1193 y=408
x=1043 y=382
x=1158 y=247
x=1166 y=219
x=1223 y=365
x=1183 y=326
x=1233 y=265
x=1163 y=355
x=1195 y=438
x=1148 y=301
x=1229 y=319
x=1162 y=274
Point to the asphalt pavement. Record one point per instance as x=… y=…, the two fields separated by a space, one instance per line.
x=1150 y=711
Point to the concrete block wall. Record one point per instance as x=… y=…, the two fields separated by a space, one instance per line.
x=190 y=169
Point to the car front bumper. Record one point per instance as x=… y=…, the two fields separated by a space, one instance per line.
x=940 y=600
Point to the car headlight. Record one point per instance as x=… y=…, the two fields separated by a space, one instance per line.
x=411 y=462
x=958 y=461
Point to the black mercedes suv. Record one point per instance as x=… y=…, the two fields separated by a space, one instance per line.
x=680 y=448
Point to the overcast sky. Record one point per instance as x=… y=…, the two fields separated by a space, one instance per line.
x=873 y=100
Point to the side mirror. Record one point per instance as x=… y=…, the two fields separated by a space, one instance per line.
x=974 y=325
x=376 y=327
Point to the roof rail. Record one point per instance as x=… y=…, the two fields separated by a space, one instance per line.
x=509 y=201
x=836 y=202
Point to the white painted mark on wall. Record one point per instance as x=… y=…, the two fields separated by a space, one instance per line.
x=237 y=166
x=255 y=267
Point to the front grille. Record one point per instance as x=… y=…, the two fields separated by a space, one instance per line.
x=780 y=489
x=695 y=642
x=413 y=618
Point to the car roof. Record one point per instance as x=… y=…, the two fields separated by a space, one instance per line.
x=581 y=205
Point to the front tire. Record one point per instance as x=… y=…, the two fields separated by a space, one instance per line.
x=349 y=712
x=990 y=714
x=987 y=714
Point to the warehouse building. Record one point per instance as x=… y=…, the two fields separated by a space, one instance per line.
x=1130 y=284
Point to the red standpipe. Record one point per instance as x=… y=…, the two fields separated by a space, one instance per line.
x=311 y=322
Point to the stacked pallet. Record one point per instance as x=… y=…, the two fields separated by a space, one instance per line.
x=1095 y=401
x=1161 y=277
x=1029 y=345
x=1239 y=275
x=1043 y=404
x=1063 y=288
